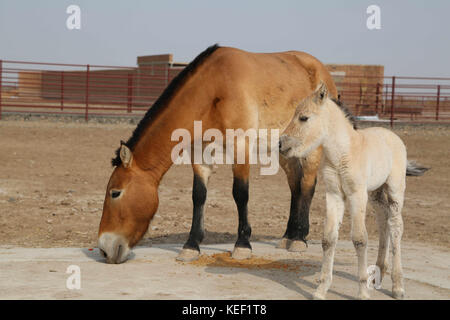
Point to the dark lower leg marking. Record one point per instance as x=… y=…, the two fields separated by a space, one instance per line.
x=298 y=224
x=197 y=233
x=240 y=195
x=359 y=244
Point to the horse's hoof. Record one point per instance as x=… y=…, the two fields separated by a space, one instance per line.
x=363 y=295
x=284 y=243
x=241 y=253
x=297 y=246
x=187 y=255
x=318 y=296
x=398 y=294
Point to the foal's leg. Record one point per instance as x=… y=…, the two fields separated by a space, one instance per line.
x=358 y=204
x=302 y=180
x=333 y=220
x=380 y=206
x=191 y=249
x=242 y=248
x=395 y=222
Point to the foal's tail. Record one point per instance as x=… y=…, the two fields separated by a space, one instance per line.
x=415 y=169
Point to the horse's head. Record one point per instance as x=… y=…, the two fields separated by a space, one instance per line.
x=307 y=128
x=131 y=201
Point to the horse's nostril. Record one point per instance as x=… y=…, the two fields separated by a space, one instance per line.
x=103 y=253
x=279 y=144
x=119 y=250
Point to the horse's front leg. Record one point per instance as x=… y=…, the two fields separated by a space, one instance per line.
x=242 y=248
x=301 y=176
x=191 y=249
x=358 y=203
x=333 y=220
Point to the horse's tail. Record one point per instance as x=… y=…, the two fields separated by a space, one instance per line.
x=415 y=169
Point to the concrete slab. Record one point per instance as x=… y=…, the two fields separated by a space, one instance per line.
x=153 y=273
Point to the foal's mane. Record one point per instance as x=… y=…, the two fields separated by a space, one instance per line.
x=163 y=101
x=348 y=115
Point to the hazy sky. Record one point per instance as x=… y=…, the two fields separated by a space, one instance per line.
x=414 y=38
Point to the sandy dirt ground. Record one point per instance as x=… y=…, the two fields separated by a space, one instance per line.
x=153 y=273
x=53 y=176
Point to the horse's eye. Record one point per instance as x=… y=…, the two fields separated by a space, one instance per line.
x=303 y=118
x=115 y=193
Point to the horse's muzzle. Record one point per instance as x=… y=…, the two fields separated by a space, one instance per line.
x=113 y=247
x=286 y=144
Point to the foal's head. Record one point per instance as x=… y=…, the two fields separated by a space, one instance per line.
x=308 y=127
x=131 y=201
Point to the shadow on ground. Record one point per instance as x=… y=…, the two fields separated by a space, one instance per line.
x=210 y=238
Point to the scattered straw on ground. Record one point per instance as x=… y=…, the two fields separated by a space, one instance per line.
x=225 y=260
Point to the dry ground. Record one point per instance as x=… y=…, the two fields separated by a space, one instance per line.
x=53 y=176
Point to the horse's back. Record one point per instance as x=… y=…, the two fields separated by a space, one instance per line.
x=382 y=135
x=386 y=153
x=268 y=84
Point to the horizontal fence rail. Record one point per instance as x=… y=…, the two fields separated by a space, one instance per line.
x=70 y=89
x=88 y=90
x=396 y=98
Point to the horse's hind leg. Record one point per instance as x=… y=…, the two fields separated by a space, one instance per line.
x=191 y=249
x=395 y=196
x=380 y=206
x=301 y=177
x=242 y=248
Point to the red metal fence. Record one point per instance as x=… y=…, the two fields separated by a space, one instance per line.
x=70 y=89
x=396 y=98
x=88 y=90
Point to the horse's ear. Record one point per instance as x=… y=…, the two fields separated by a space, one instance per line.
x=126 y=156
x=322 y=92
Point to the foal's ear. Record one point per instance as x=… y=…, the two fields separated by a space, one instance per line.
x=126 y=156
x=322 y=92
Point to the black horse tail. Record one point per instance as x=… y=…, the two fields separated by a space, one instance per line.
x=415 y=169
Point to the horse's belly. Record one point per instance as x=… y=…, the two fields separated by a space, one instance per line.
x=378 y=172
x=376 y=182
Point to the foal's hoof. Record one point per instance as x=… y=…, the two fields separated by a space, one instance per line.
x=318 y=296
x=398 y=294
x=297 y=246
x=284 y=243
x=363 y=295
x=187 y=255
x=241 y=253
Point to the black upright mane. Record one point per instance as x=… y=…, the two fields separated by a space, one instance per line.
x=163 y=100
x=346 y=111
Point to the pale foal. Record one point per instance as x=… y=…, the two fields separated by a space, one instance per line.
x=355 y=163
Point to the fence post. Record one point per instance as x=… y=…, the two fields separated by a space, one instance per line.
x=437 y=101
x=62 y=90
x=130 y=92
x=392 y=101
x=377 y=98
x=167 y=75
x=1 y=73
x=87 y=93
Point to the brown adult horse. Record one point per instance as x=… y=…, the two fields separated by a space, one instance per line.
x=225 y=88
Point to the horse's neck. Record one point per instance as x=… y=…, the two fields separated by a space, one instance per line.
x=340 y=136
x=154 y=149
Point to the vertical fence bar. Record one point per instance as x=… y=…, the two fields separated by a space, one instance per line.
x=1 y=88
x=86 y=117
x=167 y=75
x=392 y=101
x=438 y=98
x=62 y=90
x=130 y=93
x=377 y=98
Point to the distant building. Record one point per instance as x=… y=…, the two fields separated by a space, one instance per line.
x=359 y=86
